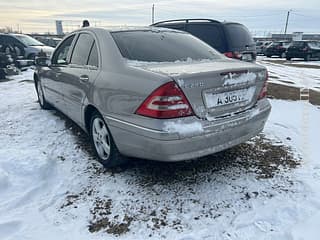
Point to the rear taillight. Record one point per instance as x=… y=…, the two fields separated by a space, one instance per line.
x=167 y=101
x=235 y=55
x=264 y=91
x=229 y=54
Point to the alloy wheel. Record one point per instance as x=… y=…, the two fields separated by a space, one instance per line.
x=101 y=138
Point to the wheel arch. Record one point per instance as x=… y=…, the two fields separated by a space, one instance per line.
x=35 y=79
x=88 y=111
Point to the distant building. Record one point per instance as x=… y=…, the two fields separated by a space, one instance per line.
x=59 y=27
x=291 y=36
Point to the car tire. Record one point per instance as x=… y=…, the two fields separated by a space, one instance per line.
x=41 y=98
x=103 y=144
x=288 y=58
x=269 y=56
x=2 y=74
x=283 y=55
x=31 y=56
x=307 y=57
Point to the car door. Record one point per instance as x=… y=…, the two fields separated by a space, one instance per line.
x=83 y=70
x=54 y=77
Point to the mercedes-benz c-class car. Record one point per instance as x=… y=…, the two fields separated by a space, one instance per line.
x=152 y=93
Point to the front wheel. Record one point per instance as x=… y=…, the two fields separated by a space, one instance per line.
x=41 y=99
x=102 y=141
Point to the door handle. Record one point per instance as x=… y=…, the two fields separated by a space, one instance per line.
x=84 y=78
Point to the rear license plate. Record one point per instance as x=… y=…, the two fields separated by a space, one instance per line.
x=247 y=57
x=227 y=98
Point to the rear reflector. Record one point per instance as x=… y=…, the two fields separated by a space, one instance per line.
x=264 y=91
x=167 y=101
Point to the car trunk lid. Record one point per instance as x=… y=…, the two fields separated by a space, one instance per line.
x=216 y=89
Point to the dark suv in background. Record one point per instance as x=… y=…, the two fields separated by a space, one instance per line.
x=277 y=49
x=232 y=39
x=304 y=49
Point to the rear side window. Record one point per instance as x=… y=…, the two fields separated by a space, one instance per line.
x=209 y=33
x=164 y=46
x=82 y=49
x=238 y=36
x=93 y=58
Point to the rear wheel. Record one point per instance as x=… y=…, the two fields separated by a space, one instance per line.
x=268 y=55
x=288 y=58
x=41 y=98
x=307 y=58
x=103 y=144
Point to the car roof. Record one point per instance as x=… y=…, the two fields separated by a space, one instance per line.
x=127 y=29
x=185 y=20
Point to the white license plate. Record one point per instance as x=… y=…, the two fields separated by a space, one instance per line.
x=227 y=98
x=247 y=57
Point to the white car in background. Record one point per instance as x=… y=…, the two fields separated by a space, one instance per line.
x=24 y=45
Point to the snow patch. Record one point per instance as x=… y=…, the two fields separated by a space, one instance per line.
x=183 y=128
x=232 y=79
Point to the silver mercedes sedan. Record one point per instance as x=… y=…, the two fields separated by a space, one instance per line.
x=152 y=93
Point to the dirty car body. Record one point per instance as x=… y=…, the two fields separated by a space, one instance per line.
x=163 y=94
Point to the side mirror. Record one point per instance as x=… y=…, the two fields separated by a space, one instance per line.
x=42 y=61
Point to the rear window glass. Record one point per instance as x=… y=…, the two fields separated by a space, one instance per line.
x=314 y=44
x=162 y=46
x=180 y=27
x=209 y=33
x=238 y=36
x=297 y=44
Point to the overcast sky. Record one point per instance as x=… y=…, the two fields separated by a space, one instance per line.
x=259 y=16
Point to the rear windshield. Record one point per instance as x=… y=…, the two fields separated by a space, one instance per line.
x=238 y=36
x=314 y=44
x=297 y=44
x=28 y=41
x=162 y=46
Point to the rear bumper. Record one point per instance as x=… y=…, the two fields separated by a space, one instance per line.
x=215 y=136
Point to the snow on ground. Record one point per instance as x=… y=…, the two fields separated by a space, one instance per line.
x=287 y=73
x=52 y=188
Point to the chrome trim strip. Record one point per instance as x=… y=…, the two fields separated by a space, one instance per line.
x=135 y=126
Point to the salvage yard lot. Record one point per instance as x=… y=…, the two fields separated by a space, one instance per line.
x=52 y=188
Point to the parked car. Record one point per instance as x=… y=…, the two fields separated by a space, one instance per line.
x=24 y=45
x=232 y=39
x=261 y=47
x=49 y=41
x=278 y=48
x=304 y=49
x=152 y=93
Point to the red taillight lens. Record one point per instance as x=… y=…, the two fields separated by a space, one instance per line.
x=264 y=91
x=235 y=55
x=167 y=101
x=229 y=54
